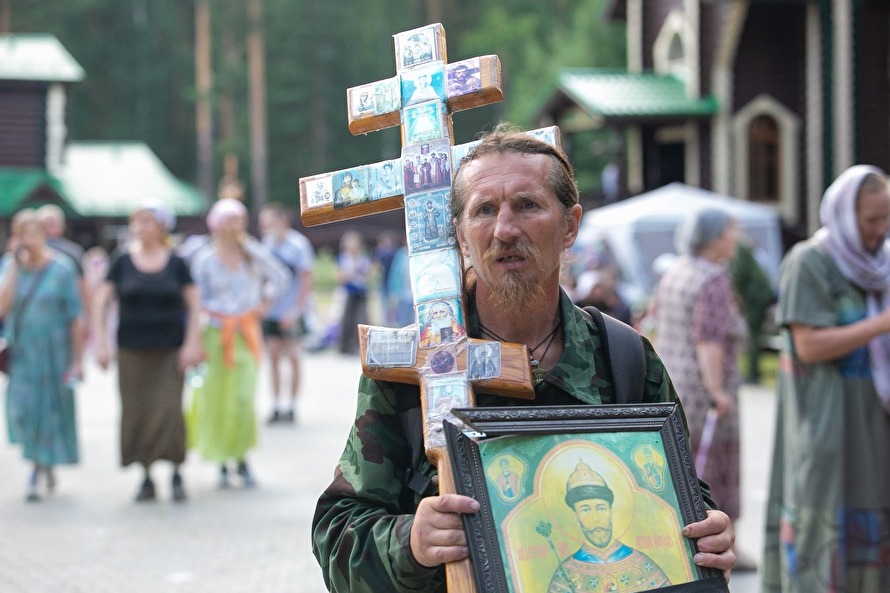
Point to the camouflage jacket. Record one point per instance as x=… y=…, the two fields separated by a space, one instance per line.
x=360 y=532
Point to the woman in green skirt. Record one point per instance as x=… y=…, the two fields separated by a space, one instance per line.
x=237 y=279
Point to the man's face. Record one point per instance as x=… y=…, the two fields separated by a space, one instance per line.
x=595 y=518
x=873 y=218
x=513 y=227
x=271 y=223
x=439 y=312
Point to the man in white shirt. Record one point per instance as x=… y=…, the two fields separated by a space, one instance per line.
x=284 y=322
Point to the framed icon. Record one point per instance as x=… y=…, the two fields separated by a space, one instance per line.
x=581 y=498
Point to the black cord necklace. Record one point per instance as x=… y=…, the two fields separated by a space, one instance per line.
x=531 y=353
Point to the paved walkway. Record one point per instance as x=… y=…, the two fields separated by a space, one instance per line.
x=91 y=538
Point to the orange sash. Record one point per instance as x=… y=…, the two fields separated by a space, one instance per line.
x=248 y=325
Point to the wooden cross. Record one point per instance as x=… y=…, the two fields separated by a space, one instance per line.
x=436 y=353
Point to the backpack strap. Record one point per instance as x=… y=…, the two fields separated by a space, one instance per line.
x=412 y=426
x=624 y=349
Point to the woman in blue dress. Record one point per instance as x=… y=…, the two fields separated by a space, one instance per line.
x=40 y=303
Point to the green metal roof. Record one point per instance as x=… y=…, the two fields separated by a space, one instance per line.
x=115 y=178
x=610 y=94
x=16 y=185
x=37 y=57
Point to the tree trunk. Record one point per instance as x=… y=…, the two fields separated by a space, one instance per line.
x=322 y=54
x=256 y=67
x=5 y=17
x=434 y=11
x=203 y=109
x=231 y=56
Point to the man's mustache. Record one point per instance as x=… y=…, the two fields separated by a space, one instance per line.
x=500 y=249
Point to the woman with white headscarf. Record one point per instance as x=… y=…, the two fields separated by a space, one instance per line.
x=158 y=337
x=237 y=280
x=698 y=333
x=828 y=513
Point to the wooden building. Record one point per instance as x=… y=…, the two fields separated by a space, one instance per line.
x=98 y=184
x=765 y=100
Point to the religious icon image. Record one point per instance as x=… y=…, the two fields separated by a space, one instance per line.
x=387 y=95
x=424 y=84
x=440 y=322
x=424 y=121
x=601 y=558
x=442 y=394
x=506 y=473
x=599 y=524
x=435 y=274
x=362 y=100
x=318 y=191
x=392 y=347
x=417 y=47
x=426 y=166
x=429 y=221
x=460 y=151
x=385 y=179
x=548 y=135
x=350 y=187
x=652 y=463
x=463 y=77
x=484 y=361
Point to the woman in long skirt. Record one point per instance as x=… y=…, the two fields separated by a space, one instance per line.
x=40 y=303
x=237 y=279
x=158 y=337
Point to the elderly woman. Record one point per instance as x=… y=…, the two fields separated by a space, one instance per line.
x=699 y=331
x=39 y=300
x=158 y=337
x=237 y=280
x=828 y=513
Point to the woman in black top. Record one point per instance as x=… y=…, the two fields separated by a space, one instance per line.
x=158 y=337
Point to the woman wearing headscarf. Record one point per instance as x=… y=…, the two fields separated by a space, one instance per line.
x=40 y=303
x=158 y=337
x=828 y=512
x=699 y=331
x=237 y=280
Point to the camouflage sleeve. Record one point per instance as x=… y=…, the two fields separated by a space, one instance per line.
x=658 y=388
x=361 y=527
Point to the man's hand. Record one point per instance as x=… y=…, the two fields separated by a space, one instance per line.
x=715 y=537
x=437 y=535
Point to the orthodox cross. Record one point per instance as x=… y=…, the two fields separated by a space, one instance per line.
x=436 y=353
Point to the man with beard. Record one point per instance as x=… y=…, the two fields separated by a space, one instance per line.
x=514 y=204
x=602 y=563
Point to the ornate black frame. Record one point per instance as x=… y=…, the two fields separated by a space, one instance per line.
x=488 y=567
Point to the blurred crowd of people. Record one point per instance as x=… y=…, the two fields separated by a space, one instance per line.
x=184 y=323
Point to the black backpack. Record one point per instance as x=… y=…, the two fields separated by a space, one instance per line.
x=627 y=360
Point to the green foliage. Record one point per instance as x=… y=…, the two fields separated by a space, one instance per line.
x=140 y=84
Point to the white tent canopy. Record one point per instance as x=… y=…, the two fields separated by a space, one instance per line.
x=639 y=229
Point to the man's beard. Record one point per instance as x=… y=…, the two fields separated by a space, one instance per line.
x=512 y=289
x=599 y=536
